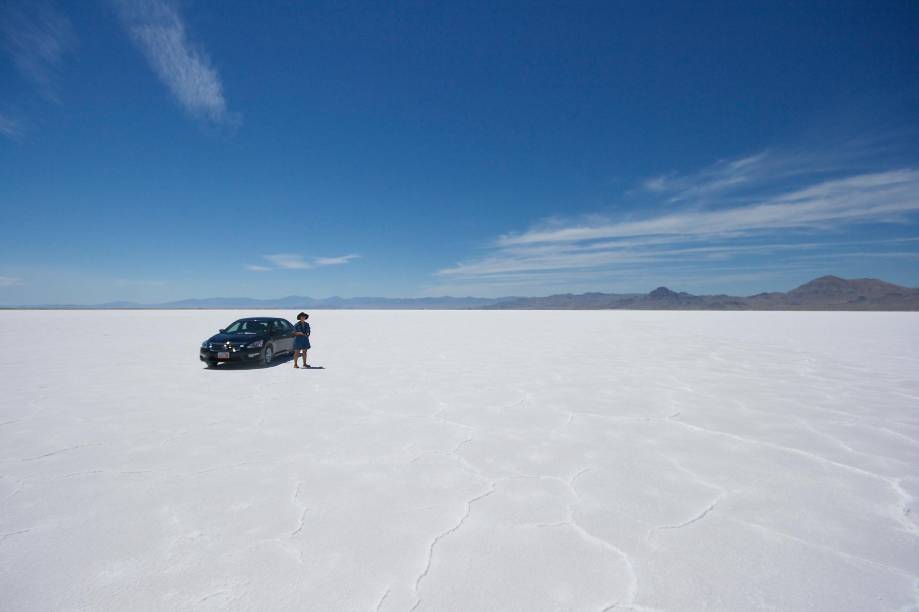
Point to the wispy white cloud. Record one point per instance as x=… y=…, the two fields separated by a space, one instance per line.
x=159 y=31
x=761 y=172
x=37 y=36
x=715 y=215
x=290 y=261
x=10 y=128
x=717 y=178
x=881 y=197
x=10 y=281
x=334 y=261
x=293 y=261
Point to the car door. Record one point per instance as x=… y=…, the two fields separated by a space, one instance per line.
x=282 y=338
x=277 y=337
x=289 y=331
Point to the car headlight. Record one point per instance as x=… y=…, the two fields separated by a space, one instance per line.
x=256 y=344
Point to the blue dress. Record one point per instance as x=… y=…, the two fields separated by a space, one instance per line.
x=302 y=342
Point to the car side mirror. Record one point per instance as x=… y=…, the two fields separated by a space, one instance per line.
x=222 y=331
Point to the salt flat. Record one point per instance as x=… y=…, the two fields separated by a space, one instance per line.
x=463 y=461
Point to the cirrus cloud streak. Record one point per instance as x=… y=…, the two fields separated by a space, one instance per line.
x=157 y=28
x=293 y=261
x=883 y=197
x=37 y=36
x=731 y=210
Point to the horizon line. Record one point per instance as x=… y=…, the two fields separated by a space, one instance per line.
x=168 y=305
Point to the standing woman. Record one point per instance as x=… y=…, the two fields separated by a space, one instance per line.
x=301 y=338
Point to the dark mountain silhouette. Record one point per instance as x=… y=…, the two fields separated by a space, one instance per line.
x=824 y=293
x=564 y=301
x=834 y=293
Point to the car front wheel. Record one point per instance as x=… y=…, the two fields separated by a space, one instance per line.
x=267 y=355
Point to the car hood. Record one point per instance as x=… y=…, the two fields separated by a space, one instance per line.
x=235 y=338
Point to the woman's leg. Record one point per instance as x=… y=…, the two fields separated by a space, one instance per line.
x=306 y=365
x=296 y=356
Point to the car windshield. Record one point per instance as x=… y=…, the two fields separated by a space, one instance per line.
x=247 y=326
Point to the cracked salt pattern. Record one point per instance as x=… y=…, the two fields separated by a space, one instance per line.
x=464 y=461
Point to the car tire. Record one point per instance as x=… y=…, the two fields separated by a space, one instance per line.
x=211 y=364
x=267 y=355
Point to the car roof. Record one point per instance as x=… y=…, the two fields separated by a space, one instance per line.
x=261 y=319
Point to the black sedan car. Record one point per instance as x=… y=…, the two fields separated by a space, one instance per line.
x=256 y=339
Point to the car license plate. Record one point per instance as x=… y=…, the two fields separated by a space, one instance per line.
x=224 y=355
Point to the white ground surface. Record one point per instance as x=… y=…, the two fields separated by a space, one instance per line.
x=463 y=461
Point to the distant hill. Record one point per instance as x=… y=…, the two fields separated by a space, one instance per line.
x=564 y=301
x=824 y=293
x=834 y=293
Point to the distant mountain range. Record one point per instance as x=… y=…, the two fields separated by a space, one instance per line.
x=824 y=293
x=296 y=302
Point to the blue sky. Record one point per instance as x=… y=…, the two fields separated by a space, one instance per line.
x=156 y=150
